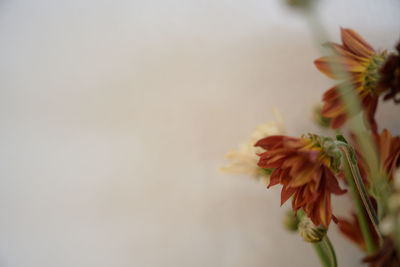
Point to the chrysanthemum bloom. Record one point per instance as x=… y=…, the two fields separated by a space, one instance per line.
x=390 y=77
x=354 y=63
x=304 y=168
x=244 y=160
x=389 y=155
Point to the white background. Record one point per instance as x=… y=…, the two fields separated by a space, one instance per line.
x=115 y=116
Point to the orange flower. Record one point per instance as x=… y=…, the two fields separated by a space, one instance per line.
x=389 y=154
x=354 y=62
x=304 y=169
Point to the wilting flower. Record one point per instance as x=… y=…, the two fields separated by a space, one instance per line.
x=304 y=167
x=244 y=160
x=355 y=63
x=388 y=151
x=390 y=76
x=386 y=256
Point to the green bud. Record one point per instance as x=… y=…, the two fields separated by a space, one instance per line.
x=319 y=119
x=290 y=221
x=309 y=231
x=300 y=3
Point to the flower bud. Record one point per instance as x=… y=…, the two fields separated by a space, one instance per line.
x=320 y=119
x=290 y=221
x=300 y=3
x=309 y=231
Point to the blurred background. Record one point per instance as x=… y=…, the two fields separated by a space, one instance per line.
x=115 y=116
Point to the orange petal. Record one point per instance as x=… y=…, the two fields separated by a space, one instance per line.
x=336 y=67
x=286 y=193
x=332 y=109
x=339 y=50
x=338 y=121
x=269 y=142
x=355 y=43
x=274 y=179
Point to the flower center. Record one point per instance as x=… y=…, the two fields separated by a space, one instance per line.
x=371 y=75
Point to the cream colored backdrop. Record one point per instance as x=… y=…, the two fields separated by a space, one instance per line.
x=115 y=116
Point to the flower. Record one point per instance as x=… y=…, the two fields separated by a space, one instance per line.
x=355 y=63
x=244 y=159
x=390 y=76
x=303 y=167
x=386 y=256
x=388 y=151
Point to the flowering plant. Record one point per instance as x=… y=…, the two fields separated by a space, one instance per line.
x=364 y=164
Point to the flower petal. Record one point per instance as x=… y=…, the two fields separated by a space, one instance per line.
x=338 y=67
x=355 y=43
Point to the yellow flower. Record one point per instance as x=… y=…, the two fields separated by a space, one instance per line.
x=244 y=159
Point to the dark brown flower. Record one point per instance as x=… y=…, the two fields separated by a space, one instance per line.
x=386 y=256
x=304 y=169
x=389 y=82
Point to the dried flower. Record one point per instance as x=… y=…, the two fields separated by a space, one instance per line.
x=389 y=153
x=244 y=160
x=390 y=76
x=304 y=167
x=386 y=256
x=356 y=63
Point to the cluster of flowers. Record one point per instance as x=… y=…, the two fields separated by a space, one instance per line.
x=309 y=168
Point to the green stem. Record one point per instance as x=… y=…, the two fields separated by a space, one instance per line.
x=351 y=159
x=359 y=207
x=325 y=252
x=321 y=254
x=329 y=248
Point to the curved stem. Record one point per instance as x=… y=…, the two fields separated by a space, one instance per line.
x=355 y=173
x=357 y=202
